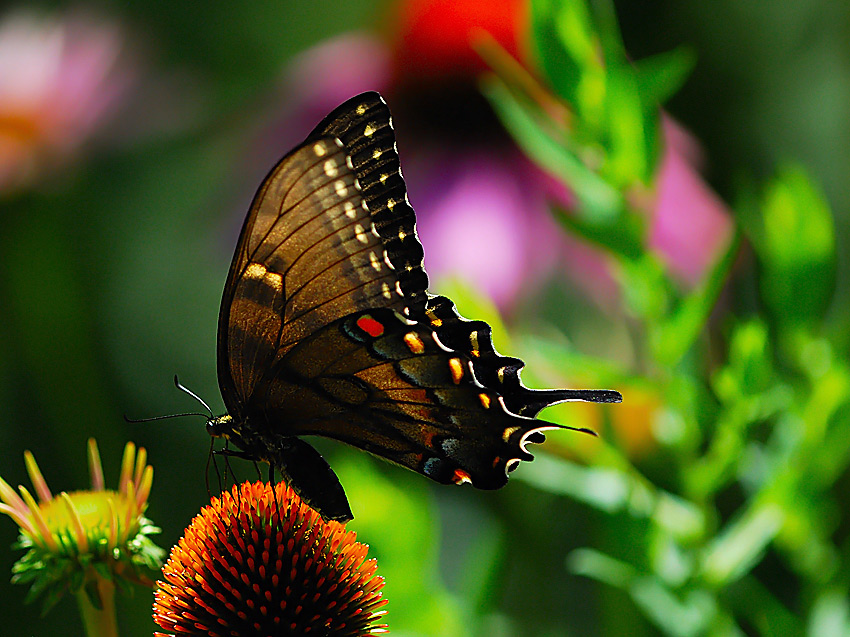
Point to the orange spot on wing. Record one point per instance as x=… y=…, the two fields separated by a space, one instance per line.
x=414 y=343
x=369 y=325
x=456 y=368
x=460 y=476
x=485 y=400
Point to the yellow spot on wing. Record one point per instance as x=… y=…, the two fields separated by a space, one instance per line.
x=369 y=130
x=273 y=279
x=319 y=149
x=473 y=340
x=510 y=431
x=330 y=168
x=485 y=400
x=258 y=271
x=360 y=109
x=255 y=271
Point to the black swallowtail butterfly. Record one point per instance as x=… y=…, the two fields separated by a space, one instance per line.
x=326 y=328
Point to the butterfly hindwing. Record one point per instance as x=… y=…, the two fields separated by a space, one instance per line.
x=497 y=372
x=385 y=384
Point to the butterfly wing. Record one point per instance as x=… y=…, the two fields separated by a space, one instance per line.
x=326 y=327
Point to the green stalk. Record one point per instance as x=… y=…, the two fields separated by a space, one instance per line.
x=98 y=622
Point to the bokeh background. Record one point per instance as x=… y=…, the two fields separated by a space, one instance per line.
x=651 y=197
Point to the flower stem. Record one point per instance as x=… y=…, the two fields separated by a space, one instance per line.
x=99 y=622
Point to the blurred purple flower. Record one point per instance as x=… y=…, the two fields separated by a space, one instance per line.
x=59 y=80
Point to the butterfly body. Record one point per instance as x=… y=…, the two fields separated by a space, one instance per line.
x=326 y=328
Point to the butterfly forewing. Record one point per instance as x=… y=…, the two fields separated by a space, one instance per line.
x=364 y=125
x=308 y=255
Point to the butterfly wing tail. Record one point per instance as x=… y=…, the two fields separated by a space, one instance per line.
x=554 y=396
x=530 y=402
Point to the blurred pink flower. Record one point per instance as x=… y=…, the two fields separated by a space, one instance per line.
x=483 y=217
x=59 y=79
x=690 y=223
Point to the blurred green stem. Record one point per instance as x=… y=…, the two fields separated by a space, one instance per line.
x=98 y=622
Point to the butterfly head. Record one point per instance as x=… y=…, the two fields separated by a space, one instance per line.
x=221 y=426
x=252 y=443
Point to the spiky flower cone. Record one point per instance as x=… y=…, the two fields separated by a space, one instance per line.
x=253 y=564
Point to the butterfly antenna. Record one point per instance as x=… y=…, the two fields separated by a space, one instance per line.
x=135 y=420
x=192 y=394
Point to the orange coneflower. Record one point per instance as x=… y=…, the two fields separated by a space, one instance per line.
x=256 y=563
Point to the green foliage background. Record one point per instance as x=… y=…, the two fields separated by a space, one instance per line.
x=736 y=523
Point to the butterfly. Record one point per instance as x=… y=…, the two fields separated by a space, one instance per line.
x=326 y=328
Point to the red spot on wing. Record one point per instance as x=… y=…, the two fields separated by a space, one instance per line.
x=369 y=325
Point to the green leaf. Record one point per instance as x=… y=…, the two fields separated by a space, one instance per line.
x=646 y=289
x=794 y=236
x=598 y=200
x=673 y=338
x=564 y=46
x=687 y=616
x=830 y=614
x=660 y=76
x=623 y=236
x=602 y=567
x=741 y=544
x=626 y=128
